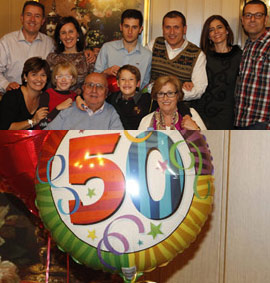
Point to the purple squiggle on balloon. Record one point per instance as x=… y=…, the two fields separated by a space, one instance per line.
x=119 y=236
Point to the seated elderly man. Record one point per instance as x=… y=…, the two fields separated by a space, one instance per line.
x=99 y=115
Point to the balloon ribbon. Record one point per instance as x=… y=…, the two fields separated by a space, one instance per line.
x=48 y=259
x=67 y=268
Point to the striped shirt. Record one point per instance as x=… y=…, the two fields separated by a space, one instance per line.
x=253 y=86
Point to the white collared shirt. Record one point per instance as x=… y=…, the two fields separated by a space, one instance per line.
x=199 y=75
x=91 y=112
x=15 y=50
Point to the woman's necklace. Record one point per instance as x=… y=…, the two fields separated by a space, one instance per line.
x=173 y=120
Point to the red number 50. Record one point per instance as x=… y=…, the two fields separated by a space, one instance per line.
x=83 y=167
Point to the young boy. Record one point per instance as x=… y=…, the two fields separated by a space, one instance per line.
x=130 y=104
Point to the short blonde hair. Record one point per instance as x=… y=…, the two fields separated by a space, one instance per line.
x=66 y=65
x=162 y=81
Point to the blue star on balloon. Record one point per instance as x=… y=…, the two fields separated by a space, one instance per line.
x=155 y=230
x=140 y=242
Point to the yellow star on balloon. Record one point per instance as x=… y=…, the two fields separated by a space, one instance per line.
x=92 y=234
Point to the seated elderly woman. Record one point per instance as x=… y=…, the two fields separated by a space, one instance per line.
x=167 y=90
x=19 y=108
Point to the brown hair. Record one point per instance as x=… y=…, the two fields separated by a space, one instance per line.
x=66 y=65
x=133 y=14
x=175 y=14
x=206 y=44
x=162 y=81
x=132 y=69
x=35 y=64
x=59 y=44
x=34 y=3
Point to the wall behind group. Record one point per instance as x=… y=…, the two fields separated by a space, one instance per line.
x=10 y=15
x=196 y=12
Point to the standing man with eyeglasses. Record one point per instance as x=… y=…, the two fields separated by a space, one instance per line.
x=98 y=114
x=252 y=109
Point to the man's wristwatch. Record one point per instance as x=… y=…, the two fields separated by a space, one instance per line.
x=30 y=122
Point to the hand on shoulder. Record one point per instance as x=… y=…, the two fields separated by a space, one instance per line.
x=12 y=85
x=189 y=124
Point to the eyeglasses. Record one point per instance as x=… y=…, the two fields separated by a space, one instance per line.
x=256 y=15
x=169 y=94
x=99 y=87
x=60 y=77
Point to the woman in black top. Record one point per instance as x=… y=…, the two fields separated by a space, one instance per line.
x=19 y=107
x=216 y=106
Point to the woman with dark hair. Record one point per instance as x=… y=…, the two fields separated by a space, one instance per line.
x=19 y=107
x=70 y=42
x=216 y=106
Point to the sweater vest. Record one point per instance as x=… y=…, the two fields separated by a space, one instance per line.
x=181 y=66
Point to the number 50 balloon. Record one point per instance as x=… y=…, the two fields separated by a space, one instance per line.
x=123 y=201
